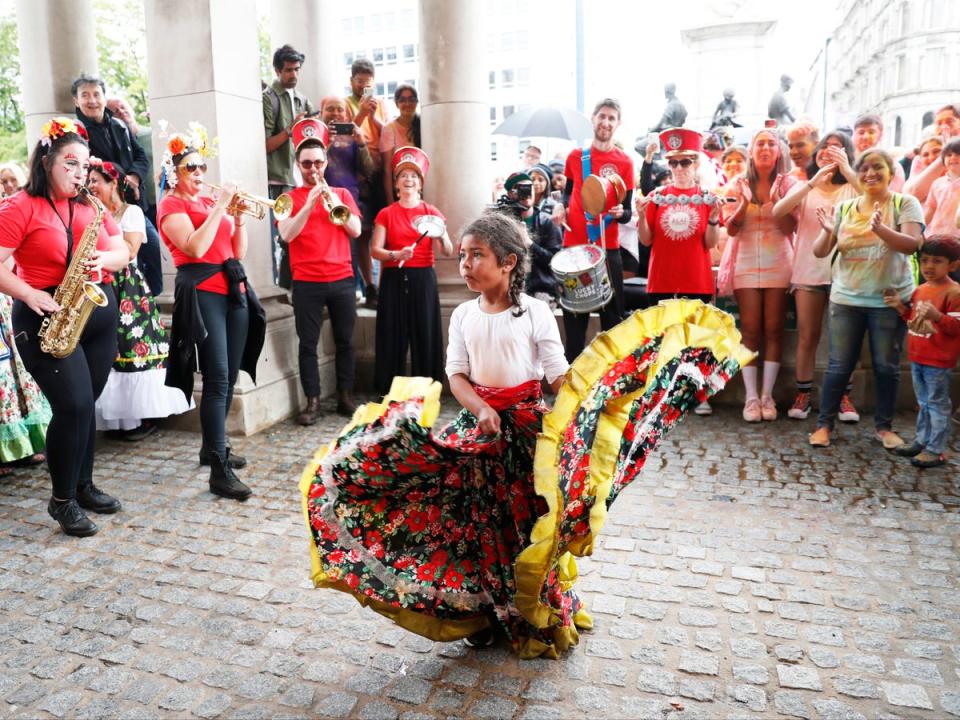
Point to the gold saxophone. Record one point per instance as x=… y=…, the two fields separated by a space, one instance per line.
x=76 y=295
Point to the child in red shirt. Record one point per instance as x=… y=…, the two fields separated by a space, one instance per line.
x=933 y=346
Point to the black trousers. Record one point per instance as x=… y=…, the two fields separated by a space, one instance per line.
x=408 y=316
x=72 y=386
x=575 y=324
x=309 y=299
x=219 y=356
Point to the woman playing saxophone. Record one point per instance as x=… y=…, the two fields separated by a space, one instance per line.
x=41 y=227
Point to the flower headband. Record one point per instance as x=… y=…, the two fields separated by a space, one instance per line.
x=58 y=127
x=195 y=139
x=106 y=168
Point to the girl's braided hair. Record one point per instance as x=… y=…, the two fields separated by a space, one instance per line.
x=505 y=237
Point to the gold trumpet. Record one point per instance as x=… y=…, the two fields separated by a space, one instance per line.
x=258 y=206
x=338 y=213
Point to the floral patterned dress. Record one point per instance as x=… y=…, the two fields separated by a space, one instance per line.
x=24 y=411
x=136 y=388
x=449 y=531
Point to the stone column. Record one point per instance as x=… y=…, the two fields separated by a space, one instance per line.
x=311 y=27
x=57 y=42
x=455 y=116
x=202 y=59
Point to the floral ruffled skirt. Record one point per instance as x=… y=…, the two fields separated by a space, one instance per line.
x=449 y=531
x=24 y=411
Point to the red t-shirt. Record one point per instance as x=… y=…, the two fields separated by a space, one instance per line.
x=398 y=222
x=942 y=348
x=321 y=252
x=29 y=225
x=679 y=263
x=601 y=163
x=220 y=250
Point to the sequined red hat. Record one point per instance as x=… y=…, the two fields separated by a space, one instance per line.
x=310 y=129
x=681 y=141
x=413 y=158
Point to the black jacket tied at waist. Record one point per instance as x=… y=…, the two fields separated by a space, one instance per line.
x=188 y=330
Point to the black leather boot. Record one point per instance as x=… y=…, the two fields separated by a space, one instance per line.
x=311 y=412
x=236 y=461
x=92 y=498
x=224 y=482
x=345 y=404
x=73 y=520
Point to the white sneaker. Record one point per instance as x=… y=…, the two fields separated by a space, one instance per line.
x=703 y=409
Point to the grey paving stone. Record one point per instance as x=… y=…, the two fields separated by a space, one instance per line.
x=751 y=696
x=377 y=710
x=503 y=684
x=298 y=695
x=864 y=663
x=788 y=653
x=609 y=649
x=448 y=699
x=541 y=712
x=180 y=699
x=411 y=690
x=833 y=709
x=614 y=675
x=824 y=658
x=590 y=697
x=462 y=676
x=649 y=655
x=61 y=704
x=906 y=695
x=855 y=686
x=655 y=680
x=696 y=618
x=259 y=687
x=699 y=663
x=788 y=702
x=824 y=635
x=754 y=674
x=950 y=701
x=213 y=707
x=708 y=640
x=541 y=689
x=921 y=671
x=748 y=648
x=700 y=690
x=643 y=708
x=796 y=676
x=335 y=705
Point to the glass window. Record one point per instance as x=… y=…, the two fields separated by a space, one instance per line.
x=506 y=41
x=358 y=25
x=523 y=40
x=380 y=89
x=507 y=111
x=360 y=54
x=493 y=78
x=522 y=147
x=409 y=52
x=493 y=113
x=901 y=72
x=374 y=23
x=348 y=59
x=391 y=87
x=391 y=55
x=506 y=75
x=347 y=25
x=390 y=21
x=523 y=77
x=493 y=151
x=406 y=18
x=378 y=56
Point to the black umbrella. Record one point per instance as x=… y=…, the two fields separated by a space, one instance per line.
x=546 y=122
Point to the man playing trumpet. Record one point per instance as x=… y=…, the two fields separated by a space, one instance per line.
x=319 y=229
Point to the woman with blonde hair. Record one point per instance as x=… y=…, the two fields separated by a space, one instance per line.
x=12 y=178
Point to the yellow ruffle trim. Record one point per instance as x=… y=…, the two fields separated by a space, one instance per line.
x=402 y=389
x=683 y=324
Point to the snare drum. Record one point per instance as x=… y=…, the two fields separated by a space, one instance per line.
x=581 y=272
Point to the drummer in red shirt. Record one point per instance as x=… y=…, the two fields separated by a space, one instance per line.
x=408 y=313
x=601 y=158
x=322 y=268
x=41 y=228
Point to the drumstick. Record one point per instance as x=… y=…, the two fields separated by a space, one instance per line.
x=414 y=245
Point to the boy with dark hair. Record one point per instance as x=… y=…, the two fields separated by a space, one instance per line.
x=933 y=346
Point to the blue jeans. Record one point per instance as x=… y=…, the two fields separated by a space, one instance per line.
x=220 y=355
x=932 y=388
x=848 y=325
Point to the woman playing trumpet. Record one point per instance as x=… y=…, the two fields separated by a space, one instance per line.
x=215 y=309
x=41 y=228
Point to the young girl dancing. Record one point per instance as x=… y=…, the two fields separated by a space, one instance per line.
x=468 y=531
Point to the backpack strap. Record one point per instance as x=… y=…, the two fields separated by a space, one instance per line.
x=596 y=225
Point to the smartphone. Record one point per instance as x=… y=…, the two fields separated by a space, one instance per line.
x=368 y=92
x=345 y=129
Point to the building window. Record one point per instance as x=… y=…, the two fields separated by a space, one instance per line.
x=378 y=56
x=897 y=131
x=523 y=77
x=348 y=59
x=360 y=54
x=406 y=19
x=391 y=87
x=347 y=25
x=905 y=18
x=493 y=115
x=901 y=72
x=507 y=111
x=380 y=89
x=390 y=21
x=374 y=23
x=522 y=147
x=493 y=151
x=493 y=78
x=391 y=55
x=506 y=76
x=506 y=41
x=523 y=40
x=358 y=25
x=927 y=119
x=409 y=53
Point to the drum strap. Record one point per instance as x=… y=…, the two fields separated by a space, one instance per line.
x=596 y=225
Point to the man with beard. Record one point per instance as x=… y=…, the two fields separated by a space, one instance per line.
x=601 y=158
x=322 y=269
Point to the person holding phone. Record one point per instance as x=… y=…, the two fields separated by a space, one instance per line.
x=348 y=157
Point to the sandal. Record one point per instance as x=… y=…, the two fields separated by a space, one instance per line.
x=928 y=460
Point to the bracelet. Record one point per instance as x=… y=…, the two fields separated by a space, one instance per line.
x=393 y=256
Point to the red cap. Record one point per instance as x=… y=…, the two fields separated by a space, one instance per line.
x=681 y=141
x=310 y=129
x=413 y=158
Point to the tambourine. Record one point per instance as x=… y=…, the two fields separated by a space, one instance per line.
x=704 y=198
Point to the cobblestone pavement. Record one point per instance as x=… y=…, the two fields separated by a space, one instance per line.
x=742 y=576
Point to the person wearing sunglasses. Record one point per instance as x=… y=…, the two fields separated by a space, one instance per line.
x=218 y=322
x=322 y=269
x=679 y=228
x=402 y=132
x=40 y=228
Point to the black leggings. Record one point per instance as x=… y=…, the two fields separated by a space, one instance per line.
x=220 y=354
x=72 y=386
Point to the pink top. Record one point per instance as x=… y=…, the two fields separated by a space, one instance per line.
x=944 y=197
x=764 y=254
x=807 y=268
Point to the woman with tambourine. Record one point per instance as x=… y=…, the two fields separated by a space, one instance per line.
x=408 y=314
x=41 y=228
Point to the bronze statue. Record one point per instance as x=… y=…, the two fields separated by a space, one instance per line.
x=674 y=114
x=726 y=112
x=779 y=108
